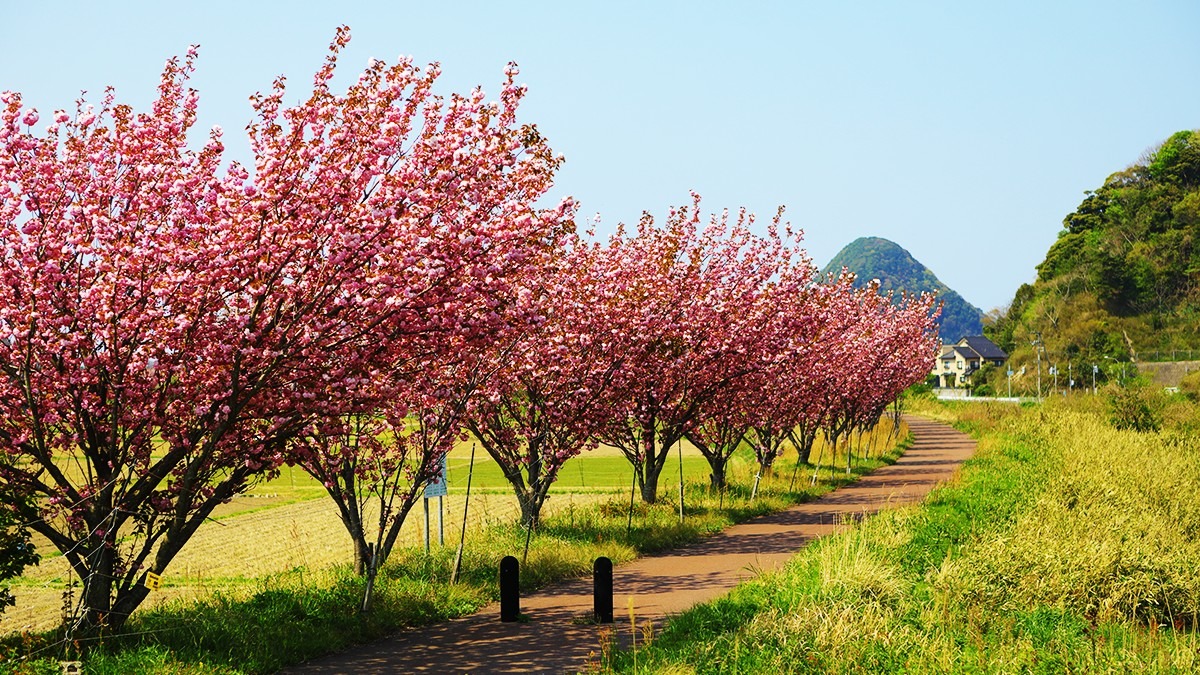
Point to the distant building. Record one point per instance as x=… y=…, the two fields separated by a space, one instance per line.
x=958 y=362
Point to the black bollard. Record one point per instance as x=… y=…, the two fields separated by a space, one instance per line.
x=602 y=590
x=510 y=589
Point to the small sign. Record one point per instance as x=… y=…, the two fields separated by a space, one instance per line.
x=436 y=487
x=153 y=581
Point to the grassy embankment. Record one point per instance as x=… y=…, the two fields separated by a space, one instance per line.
x=1066 y=546
x=280 y=619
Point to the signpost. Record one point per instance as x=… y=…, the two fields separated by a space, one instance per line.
x=436 y=487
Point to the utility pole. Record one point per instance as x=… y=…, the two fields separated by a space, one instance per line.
x=1037 y=350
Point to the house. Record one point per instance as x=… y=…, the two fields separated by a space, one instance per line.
x=957 y=362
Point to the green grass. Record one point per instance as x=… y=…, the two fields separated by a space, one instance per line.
x=589 y=472
x=602 y=470
x=1067 y=546
x=302 y=614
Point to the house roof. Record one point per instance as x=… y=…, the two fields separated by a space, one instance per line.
x=984 y=347
x=966 y=352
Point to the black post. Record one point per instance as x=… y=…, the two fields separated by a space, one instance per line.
x=510 y=588
x=602 y=590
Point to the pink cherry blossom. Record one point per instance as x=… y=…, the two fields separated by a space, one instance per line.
x=172 y=325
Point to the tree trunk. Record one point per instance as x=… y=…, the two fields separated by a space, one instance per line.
x=718 y=478
x=649 y=482
x=105 y=613
x=655 y=462
x=769 y=461
x=717 y=456
x=127 y=601
x=531 y=510
x=767 y=444
x=97 y=597
x=362 y=553
x=532 y=500
x=804 y=444
x=647 y=450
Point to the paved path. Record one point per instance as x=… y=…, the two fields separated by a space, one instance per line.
x=556 y=640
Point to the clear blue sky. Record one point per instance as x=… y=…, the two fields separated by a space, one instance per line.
x=963 y=131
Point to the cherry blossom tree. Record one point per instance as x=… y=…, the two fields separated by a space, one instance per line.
x=873 y=350
x=777 y=324
x=793 y=347
x=902 y=345
x=376 y=457
x=556 y=384
x=685 y=287
x=168 y=327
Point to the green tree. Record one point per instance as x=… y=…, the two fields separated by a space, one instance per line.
x=1123 y=276
x=981 y=380
x=16 y=551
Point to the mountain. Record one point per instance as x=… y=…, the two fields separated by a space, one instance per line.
x=896 y=269
x=1122 y=281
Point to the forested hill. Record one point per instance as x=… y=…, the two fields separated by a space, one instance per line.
x=896 y=269
x=1123 y=279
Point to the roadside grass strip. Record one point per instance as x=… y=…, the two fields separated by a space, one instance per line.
x=1065 y=546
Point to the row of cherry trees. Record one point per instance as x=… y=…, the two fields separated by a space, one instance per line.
x=695 y=329
x=175 y=327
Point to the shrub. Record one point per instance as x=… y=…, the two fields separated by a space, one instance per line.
x=1189 y=386
x=16 y=552
x=1135 y=408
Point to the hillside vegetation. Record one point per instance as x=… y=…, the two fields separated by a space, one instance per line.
x=1121 y=281
x=897 y=270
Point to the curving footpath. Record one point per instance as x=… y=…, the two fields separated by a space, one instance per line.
x=556 y=640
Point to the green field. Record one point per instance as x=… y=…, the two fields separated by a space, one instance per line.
x=604 y=469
